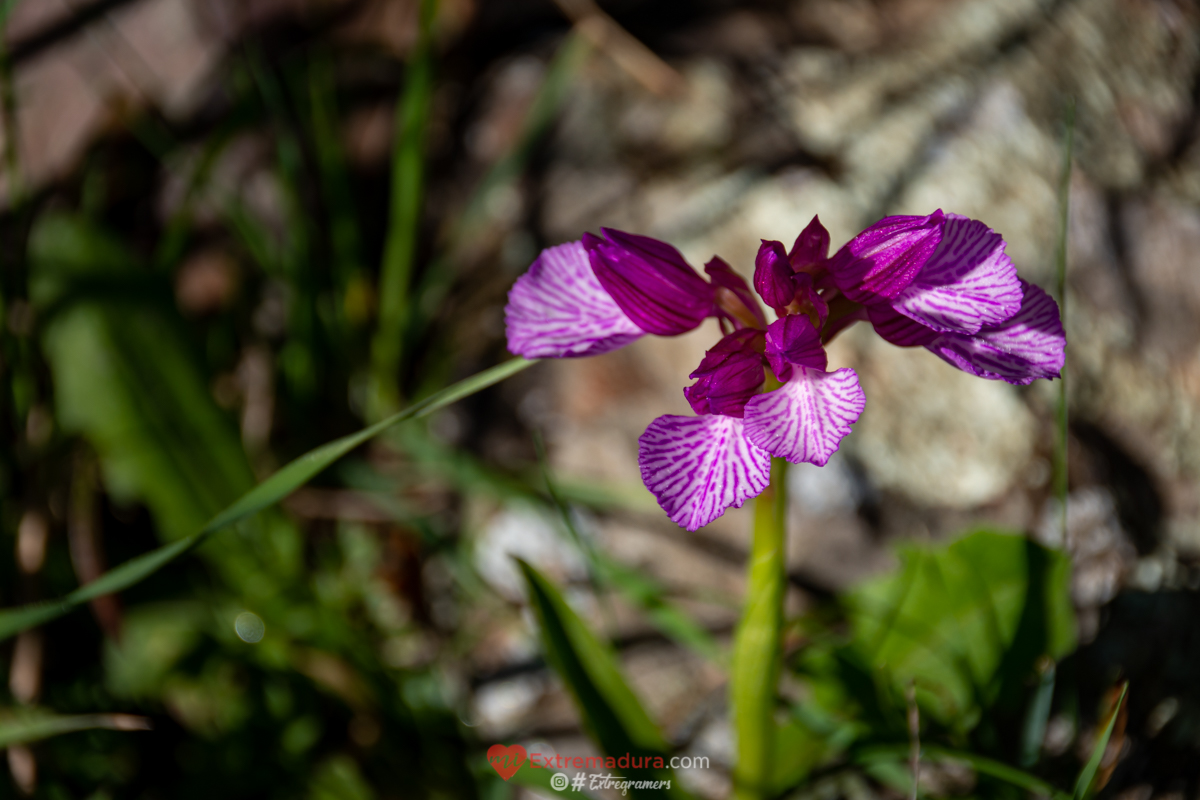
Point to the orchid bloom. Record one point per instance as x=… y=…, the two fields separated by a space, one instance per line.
x=941 y=281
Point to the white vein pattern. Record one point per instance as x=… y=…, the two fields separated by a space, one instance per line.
x=967 y=284
x=805 y=419
x=1020 y=350
x=699 y=466
x=558 y=309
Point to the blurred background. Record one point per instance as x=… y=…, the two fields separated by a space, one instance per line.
x=232 y=230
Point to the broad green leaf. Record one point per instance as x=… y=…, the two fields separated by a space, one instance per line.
x=1087 y=775
x=966 y=622
x=754 y=664
x=611 y=711
x=22 y=726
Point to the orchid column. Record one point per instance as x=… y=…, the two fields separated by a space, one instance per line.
x=764 y=395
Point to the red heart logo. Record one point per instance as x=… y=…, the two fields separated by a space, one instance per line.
x=506 y=760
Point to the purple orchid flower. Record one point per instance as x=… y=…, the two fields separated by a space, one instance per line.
x=942 y=282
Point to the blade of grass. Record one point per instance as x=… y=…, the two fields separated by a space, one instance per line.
x=399 y=252
x=1034 y=730
x=1087 y=775
x=31 y=725
x=591 y=672
x=643 y=592
x=8 y=109
x=1064 y=208
x=542 y=113
x=270 y=491
x=755 y=662
x=984 y=766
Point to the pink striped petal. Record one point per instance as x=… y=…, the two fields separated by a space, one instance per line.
x=1020 y=350
x=699 y=466
x=879 y=263
x=967 y=284
x=805 y=419
x=558 y=309
x=897 y=329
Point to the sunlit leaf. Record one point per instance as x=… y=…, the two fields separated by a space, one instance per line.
x=966 y=622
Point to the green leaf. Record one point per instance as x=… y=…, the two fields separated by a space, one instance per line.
x=30 y=725
x=267 y=493
x=966 y=622
x=1087 y=775
x=610 y=710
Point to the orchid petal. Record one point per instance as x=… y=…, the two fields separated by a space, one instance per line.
x=811 y=247
x=898 y=329
x=883 y=260
x=650 y=281
x=742 y=309
x=699 y=466
x=794 y=340
x=805 y=419
x=730 y=374
x=558 y=309
x=773 y=275
x=809 y=300
x=967 y=284
x=1028 y=346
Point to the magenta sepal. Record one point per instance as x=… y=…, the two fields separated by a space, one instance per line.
x=650 y=281
x=729 y=375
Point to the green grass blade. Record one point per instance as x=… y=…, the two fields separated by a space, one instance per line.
x=437 y=280
x=399 y=252
x=651 y=598
x=755 y=663
x=590 y=671
x=1087 y=775
x=31 y=725
x=1064 y=208
x=610 y=710
x=982 y=765
x=267 y=493
x=1034 y=729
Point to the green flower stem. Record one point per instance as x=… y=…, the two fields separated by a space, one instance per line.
x=755 y=664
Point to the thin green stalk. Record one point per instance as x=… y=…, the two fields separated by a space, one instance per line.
x=756 y=650
x=1064 y=198
x=8 y=110
x=399 y=252
x=289 y=478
